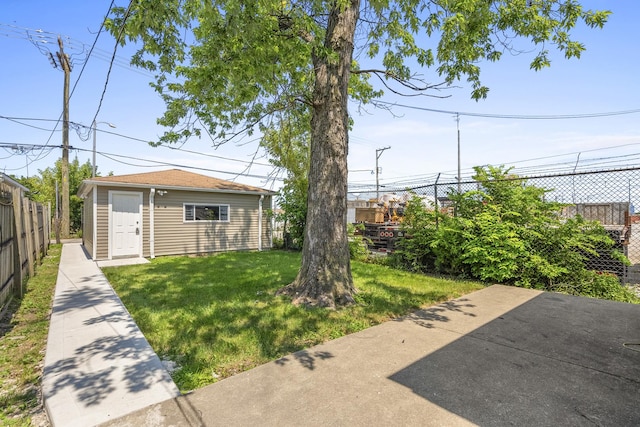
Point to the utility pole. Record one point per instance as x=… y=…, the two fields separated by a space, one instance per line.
x=458 y=127
x=57 y=217
x=379 y=152
x=66 y=68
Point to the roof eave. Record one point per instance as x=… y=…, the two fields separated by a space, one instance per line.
x=88 y=184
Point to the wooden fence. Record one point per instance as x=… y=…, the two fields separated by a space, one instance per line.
x=24 y=239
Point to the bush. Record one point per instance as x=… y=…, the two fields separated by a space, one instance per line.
x=597 y=285
x=358 y=249
x=508 y=233
x=414 y=251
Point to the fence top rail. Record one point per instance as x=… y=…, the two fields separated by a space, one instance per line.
x=6 y=180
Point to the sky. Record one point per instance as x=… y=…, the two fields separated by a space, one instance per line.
x=422 y=142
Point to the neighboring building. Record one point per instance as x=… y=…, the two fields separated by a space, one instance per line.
x=172 y=212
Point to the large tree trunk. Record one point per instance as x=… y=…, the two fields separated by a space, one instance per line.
x=325 y=278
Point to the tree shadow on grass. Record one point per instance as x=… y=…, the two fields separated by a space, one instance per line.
x=221 y=300
x=215 y=311
x=401 y=303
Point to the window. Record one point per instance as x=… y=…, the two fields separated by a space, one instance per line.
x=206 y=212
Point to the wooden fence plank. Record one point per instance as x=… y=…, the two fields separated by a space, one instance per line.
x=25 y=228
x=7 y=238
x=18 y=247
x=43 y=219
x=35 y=224
x=28 y=238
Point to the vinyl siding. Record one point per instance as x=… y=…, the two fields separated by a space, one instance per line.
x=87 y=224
x=102 y=235
x=175 y=236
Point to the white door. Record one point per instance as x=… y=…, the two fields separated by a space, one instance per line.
x=126 y=224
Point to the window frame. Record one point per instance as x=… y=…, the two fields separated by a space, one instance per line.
x=208 y=205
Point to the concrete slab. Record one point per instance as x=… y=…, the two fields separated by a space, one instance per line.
x=500 y=356
x=121 y=261
x=555 y=360
x=98 y=365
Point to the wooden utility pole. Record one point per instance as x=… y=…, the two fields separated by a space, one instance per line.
x=66 y=67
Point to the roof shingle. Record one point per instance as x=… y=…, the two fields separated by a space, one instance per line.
x=178 y=178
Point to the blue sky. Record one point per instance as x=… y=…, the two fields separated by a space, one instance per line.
x=422 y=143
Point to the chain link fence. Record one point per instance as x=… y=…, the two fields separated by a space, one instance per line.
x=606 y=196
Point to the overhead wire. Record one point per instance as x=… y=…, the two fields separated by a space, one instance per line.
x=84 y=63
x=115 y=60
x=407 y=180
x=511 y=116
x=586 y=165
x=146 y=141
x=156 y=163
x=23 y=33
x=50 y=55
x=115 y=49
x=248 y=162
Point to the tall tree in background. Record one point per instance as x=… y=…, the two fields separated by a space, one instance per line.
x=43 y=188
x=226 y=67
x=287 y=145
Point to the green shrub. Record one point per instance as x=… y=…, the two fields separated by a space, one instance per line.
x=508 y=233
x=358 y=249
x=597 y=285
x=414 y=251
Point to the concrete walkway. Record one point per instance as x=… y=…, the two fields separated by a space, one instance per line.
x=499 y=356
x=98 y=365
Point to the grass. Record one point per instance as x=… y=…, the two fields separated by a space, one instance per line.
x=23 y=339
x=217 y=316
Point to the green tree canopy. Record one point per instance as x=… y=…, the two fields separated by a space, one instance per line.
x=287 y=146
x=226 y=67
x=43 y=187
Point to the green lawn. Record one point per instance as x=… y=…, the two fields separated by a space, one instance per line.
x=23 y=338
x=217 y=316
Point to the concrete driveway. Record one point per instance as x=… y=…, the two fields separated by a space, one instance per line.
x=499 y=356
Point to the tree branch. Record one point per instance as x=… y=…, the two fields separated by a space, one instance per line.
x=411 y=84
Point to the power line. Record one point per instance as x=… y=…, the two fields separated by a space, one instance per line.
x=156 y=163
x=248 y=162
x=115 y=49
x=46 y=37
x=396 y=181
x=510 y=116
x=77 y=125
x=29 y=146
x=84 y=65
x=28 y=119
x=28 y=125
x=516 y=162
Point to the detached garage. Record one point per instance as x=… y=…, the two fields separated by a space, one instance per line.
x=172 y=212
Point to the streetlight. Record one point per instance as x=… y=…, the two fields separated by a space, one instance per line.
x=93 y=170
